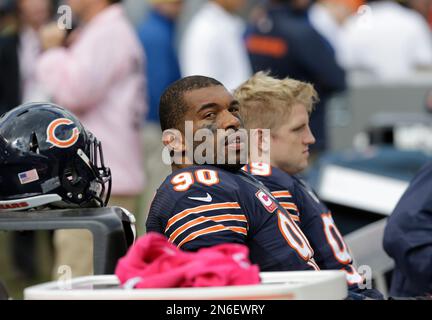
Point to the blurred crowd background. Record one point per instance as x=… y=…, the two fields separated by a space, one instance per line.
x=365 y=58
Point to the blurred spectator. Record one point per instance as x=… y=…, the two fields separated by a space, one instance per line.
x=213 y=46
x=10 y=95
x=34 y=14
x=328 y=17
x=8 y=18
x=157 y=34
x=388 y=40
x=99 y=77
x=283 y=42
x=19 y=47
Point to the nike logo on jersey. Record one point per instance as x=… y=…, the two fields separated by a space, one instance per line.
x=203 y=199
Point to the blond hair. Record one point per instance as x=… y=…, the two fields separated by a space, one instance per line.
x=257 y=97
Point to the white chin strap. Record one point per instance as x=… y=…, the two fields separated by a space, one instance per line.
x=28 y=203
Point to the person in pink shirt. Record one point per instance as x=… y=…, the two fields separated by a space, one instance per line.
x=96 y=73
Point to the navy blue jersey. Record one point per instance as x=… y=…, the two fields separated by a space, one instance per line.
x=408 y=238
x=316 y=222
x=203 y=206
x=311 y=215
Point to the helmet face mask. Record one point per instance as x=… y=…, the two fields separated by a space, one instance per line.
x=102 y=184
x=47 y=158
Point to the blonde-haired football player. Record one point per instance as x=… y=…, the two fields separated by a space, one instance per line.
x=283 y=107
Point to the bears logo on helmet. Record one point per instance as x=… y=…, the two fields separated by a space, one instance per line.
x=55 y=140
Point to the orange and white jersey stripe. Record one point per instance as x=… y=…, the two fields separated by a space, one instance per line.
x=289 y=205
x=281 y=194
x=209 y=230
x=285 y=200
x=201 y=209
x=200 y=220
x=191 y=223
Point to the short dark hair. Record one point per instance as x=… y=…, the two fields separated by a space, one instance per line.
x=172 y=106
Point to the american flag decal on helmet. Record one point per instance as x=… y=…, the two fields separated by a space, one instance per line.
x=28 y=176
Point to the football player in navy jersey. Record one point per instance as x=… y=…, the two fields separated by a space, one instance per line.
x=284 y=107
x=210 y=202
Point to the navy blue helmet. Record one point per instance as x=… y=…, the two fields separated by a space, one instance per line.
x=47 y=158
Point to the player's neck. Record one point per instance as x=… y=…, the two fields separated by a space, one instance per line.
x=176 y=167
x=260 y=159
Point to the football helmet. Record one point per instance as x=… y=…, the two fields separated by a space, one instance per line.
x=47 y=158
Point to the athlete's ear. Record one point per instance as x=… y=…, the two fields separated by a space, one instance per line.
x=174 y=147
x=260 y=145
x=173 y=140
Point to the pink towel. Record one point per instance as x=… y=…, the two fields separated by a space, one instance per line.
x=160 y=264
